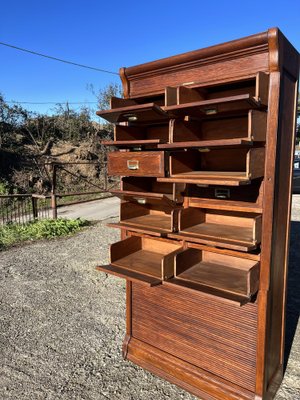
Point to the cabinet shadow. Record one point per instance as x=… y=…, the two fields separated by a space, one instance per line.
x=293 y=290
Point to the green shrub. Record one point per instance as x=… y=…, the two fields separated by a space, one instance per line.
x=43 y=229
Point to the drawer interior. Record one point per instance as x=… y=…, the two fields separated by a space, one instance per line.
x=233 y=230
x=232 y=166
x=140 y=135
x=225 y=274
x=239 y=129
x=240 y=95
x=156 y=220
x=147 y=256
x=130 y=110
x=237 y=198
x=149 y=191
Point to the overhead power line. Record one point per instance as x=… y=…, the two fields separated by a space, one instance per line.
x=57 y=59
x=50 y=102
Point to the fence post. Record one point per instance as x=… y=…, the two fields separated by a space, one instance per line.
x=105 y=177
x=34 y=207
x=53 y=190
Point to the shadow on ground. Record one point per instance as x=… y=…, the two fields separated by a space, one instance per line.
x=293 y=293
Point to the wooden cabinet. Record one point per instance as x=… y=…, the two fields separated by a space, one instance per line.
x=205 y=148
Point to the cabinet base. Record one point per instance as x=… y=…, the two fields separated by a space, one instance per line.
x=189 y=377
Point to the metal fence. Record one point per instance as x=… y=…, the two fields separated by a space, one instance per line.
x=23 y=208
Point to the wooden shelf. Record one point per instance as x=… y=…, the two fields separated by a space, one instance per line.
x=149 y=112
x=236 y=130
x=139 y=135
x=214 y=106
x=154 y=219
x=217 y=166
x=235 y=142
x=233 y=230
x=231 y=275
x=143 y=259
x=149 y=191
x=240 y=198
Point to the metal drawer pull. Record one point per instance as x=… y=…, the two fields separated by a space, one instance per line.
x=132 y=164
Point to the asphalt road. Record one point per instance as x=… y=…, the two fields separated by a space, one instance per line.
x=97 y=210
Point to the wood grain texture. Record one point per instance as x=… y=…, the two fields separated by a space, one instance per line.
x=145 y=163
x=166 y=318
x=235 y=104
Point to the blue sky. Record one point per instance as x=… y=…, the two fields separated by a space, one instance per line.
x=112 y=34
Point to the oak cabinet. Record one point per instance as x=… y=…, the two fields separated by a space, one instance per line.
x=205 y=144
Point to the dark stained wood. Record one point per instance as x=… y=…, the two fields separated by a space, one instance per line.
x=228 y=274
x=149 y=191
x=233 y=230
x=140 y=112
x=144 y=163
x=233 y=166
x=167 y=318
x=139 y=258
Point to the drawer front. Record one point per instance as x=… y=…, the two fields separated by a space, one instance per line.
x=145 y=163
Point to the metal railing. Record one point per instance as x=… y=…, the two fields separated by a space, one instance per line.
x=23 y=208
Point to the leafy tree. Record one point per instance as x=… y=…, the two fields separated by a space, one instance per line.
x=103 y=97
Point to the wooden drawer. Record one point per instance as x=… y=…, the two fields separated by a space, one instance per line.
x=232 y=230
x=149 y=191
x=242 y=129
x=230 y=277
x=150 y=218
x=246 y=198
x=139 y=163
x=143 y=259
x=225 y=99
x=134 y=135
x=217 y=166
x=128 y=110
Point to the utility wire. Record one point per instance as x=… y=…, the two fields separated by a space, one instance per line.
x=50 y=102
x=58 y=59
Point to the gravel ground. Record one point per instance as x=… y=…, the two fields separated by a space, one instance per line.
x=62 y=324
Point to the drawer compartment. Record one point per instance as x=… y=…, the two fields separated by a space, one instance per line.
x=153 y=219
x=149 y=191
x=147 y=136
x=143 y=163
x=128 y=110
x=143 y=259
x=236 y=130
x=232 y=230
x=217 y=166
x=246 y=198
x=230 y=276
x=241 y=95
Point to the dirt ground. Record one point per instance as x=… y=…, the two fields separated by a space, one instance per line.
x=62 y=324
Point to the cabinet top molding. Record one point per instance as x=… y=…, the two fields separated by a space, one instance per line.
x=220 y=63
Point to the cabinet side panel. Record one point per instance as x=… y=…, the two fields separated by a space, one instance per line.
x=281 y=224
x=208 y=333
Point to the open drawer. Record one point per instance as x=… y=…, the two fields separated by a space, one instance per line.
x=153 y=219
x=216 y=166
x=137 y=163
x=246 y=198
x=231 y=277
x=128 y=110
x=238 y=130
x=134 y=135
x=143 y=259
x=232 y=230
x=149 y=191
x=228 y=98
